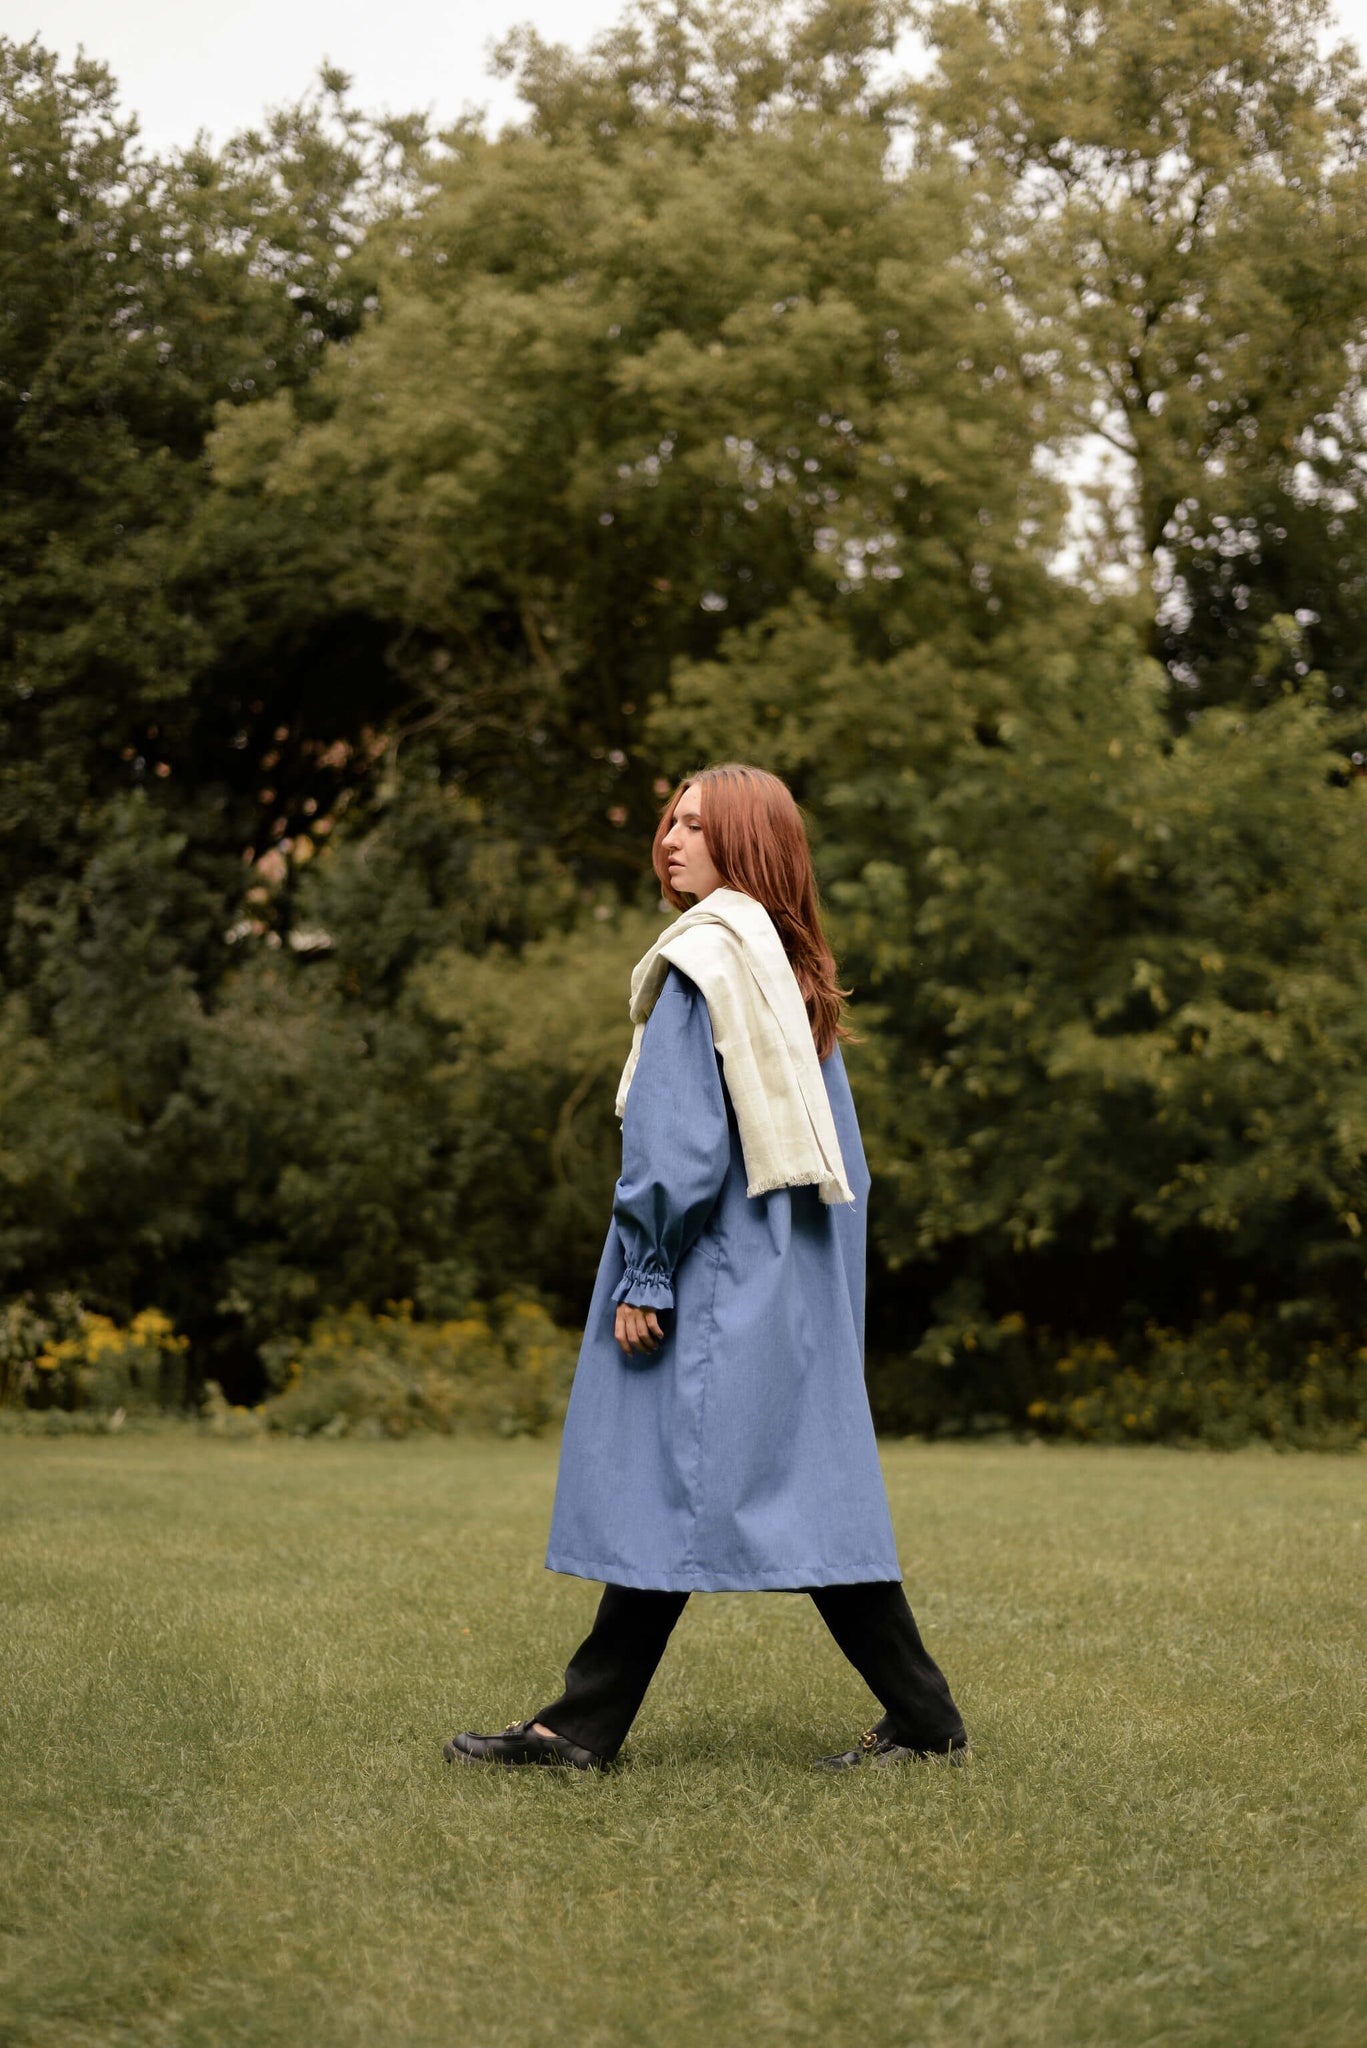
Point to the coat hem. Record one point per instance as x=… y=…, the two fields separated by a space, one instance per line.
x=697 y=1579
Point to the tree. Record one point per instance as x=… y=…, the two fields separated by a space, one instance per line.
x=1109 y=983
x=1176 y=201
x=438 y=500
x=135 y=298
x=705 y=353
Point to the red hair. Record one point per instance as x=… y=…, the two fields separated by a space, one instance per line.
x=757 y=841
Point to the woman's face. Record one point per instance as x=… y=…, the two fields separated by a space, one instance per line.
x=690 y=864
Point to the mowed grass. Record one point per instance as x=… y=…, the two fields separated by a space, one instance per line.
x=230 y=1668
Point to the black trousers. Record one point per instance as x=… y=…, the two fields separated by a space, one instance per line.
x=607 y=1677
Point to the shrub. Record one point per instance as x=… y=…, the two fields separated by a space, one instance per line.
x=71 y=1360
x=24 y=1333
x=1234 y=1378
x=220 y=1417
x=504 y=1372
x=1225 y=1383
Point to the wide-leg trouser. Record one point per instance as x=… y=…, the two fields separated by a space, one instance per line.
x=607 y=1677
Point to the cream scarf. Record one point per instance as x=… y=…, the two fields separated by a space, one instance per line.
x=729 y=945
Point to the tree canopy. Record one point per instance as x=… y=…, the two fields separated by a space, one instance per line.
x=388 y=517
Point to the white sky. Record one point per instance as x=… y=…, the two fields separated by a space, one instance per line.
x=183 y=65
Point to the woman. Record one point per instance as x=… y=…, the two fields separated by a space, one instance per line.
x=718 y=1436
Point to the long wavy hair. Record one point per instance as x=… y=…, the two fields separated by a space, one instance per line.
x=755 y=835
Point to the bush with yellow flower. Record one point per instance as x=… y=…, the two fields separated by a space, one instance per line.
x=71 y=1358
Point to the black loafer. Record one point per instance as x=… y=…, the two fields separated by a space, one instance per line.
x=520 y=1744
x=880 y=1750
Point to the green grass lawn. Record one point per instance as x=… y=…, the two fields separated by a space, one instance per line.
x=229 y=1669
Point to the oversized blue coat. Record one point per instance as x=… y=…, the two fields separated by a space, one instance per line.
x=739 y=1454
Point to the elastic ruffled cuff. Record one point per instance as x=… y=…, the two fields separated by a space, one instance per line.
x=644 y=1290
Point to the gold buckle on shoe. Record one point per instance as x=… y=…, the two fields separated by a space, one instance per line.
x=869 y=1739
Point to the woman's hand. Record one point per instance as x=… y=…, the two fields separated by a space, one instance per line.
x=637 y=1329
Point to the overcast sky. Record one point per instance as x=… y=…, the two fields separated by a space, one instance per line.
x=195 y=65
x=182 y=67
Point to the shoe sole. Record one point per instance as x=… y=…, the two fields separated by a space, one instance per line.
x=954 y=1758
x=455 y=1755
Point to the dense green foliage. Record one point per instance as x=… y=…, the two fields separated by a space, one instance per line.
x=386 y=518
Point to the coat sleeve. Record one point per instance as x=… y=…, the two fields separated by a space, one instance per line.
x=676 y=1144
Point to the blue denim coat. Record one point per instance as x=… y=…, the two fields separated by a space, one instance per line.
x=740 y=1454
